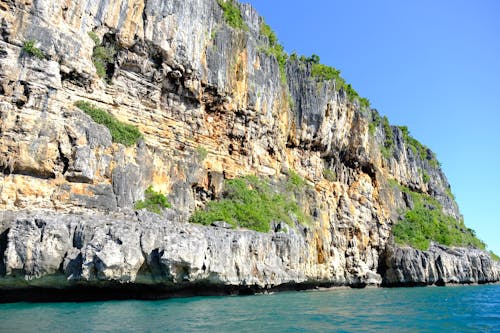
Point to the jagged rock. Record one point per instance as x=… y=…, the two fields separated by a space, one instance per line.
x=96 y=249
x=211 y=105
x=439 y=265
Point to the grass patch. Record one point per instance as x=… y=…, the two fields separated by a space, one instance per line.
x=426 y=222
x=295 y=182
x=329 y=175
x=103 y=57
x=425 y=176
x=153 y=201
x=232 y=14
x=29 y=47
x=202 y=152
x=125 y=134
x=250 y=202
x=494 y=256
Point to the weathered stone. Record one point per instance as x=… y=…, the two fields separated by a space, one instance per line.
x=439 y=265
x=191 y=84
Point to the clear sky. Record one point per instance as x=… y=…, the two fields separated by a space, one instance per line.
x=431 y=65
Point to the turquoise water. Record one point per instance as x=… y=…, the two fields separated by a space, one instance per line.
x=432 y=309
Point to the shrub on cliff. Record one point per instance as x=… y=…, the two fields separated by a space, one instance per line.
x=324 y=72
x=232 y=14
x=30 y=48
x=102 y=57
x=426 y=222
x=274 y=48
x=419 y=149
x=250 y=202
x=153 y=201
x=125 y=134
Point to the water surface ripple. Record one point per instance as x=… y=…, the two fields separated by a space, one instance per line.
x=432 y=309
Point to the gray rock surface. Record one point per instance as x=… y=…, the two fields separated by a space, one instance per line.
x=440 y=265
x=190 y=83
x=60 y=250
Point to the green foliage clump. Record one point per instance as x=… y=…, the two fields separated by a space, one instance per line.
x=389 y=136
x=295 y=181
x=364 y=102
x=94 y=37
x=274 y=48
x=426 y=222
x=153 y=201
x=202 y=152
x=232 y=14
x=388 y=146
x=418 y=148
x=494 y=256
x=375 y=122
x=249 y=202
x=103 y=57
x=125 y=134
x=425 y=177
x=329 y=175
x=324 y=72
x=449 y=193
x=30 y=48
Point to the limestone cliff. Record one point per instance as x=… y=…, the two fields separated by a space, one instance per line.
x=194 y=86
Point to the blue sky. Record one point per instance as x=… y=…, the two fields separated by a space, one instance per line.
x=431 y=65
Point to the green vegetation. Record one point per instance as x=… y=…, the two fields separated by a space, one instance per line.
x=324 y=72
x=329 y=175
x=274 y=48
x=125 y=134
x=94 y=37
x=103 y=57
x=388 y=147
x=418 y=148
x=425 y=176
x=30 y=48
x=375 y=122
x=202 y=152
x=426 y=222
x=389 y=136
x=232 y=14
x=364 y=102
x=291 y=103
x=250 y=202
x=450 y=194
x=153 y=201
x=393 y=183
x=494 y=256
x=295 y=181
x=213 y=34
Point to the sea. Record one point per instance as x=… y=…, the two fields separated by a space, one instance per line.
x=423 y=309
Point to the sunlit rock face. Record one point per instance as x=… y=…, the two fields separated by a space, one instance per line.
x=190 y=83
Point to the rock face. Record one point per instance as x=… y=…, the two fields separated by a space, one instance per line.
x=439 y=265
x=191 y=83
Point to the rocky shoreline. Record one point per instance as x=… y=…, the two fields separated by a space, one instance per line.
x=62 y=257
x=207 y=102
